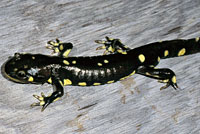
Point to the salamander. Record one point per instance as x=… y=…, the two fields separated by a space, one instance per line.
x=117 y=63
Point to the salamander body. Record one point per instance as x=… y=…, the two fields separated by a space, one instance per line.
x=120 y=63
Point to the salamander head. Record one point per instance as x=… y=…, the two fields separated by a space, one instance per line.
x=17 y=68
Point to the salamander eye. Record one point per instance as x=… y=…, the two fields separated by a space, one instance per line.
x=21 y=74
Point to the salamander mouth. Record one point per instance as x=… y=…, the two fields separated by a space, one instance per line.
x=9 y=77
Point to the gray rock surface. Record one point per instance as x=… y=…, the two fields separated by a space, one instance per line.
x=135 y=105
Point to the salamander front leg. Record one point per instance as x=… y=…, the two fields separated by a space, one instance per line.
x=62 y=49
x=164 y=75
x=112 y=46
x=44 y=101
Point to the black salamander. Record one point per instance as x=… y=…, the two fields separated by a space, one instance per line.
x=120 y=63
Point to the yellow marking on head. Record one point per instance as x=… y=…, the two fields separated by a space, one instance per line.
x=110 y=81
x=66 y=53
x=82 y=83
x=182 y=52
x=166 y=53
x=56 y=99
x=61 y=83
x=174 y=79
x=96 y=84
x=67 y=82
x=66 y=62
x=158 y=59
x=30 y=79
x=106 y=61
x=12 y=79
x=73 y=62
x=15 y=69
x=61 y=47
x=99 y=64
x=49 y=80
x=33 y=57
x=197 y=39
x=141 y=58
x=133 y=73
x=160 y=41
x=56 y=50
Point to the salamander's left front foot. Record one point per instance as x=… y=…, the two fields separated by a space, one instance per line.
x=44 y=101
x=112 y=46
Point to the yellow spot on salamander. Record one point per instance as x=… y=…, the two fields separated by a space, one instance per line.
x=99 y=64
x=166 y=53
x=73 y=62
x=197 y=39
x=56 y=50
x=148 y=74
x=96 y=84
x=110 y=49
x=158 y=59
x=30 y=79
x=61 y=47
x=66 y=53
x=42 y=103
x=165 y=81
x=132 y=73
x=124 y=77
x=15 y=69
x=56 y=99
x=33 y=57
x=106 y=61
x=182 y=52
x=49 y=80
x=41 y=98
x=174 y=79
x=82 y=83
x=110 y=81
x=122 y=52
x=54 y=44
x=66 y=62
x=141 y=58
x=61 y=83
x=67 y=82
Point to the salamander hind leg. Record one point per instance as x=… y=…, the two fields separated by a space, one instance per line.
x=163 y=75
x=44 y=101
x=112 y=46
x=62 y=49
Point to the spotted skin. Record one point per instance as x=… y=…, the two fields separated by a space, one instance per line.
x=118 y=63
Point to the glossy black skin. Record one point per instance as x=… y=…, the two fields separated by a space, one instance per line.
x=38 y=68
